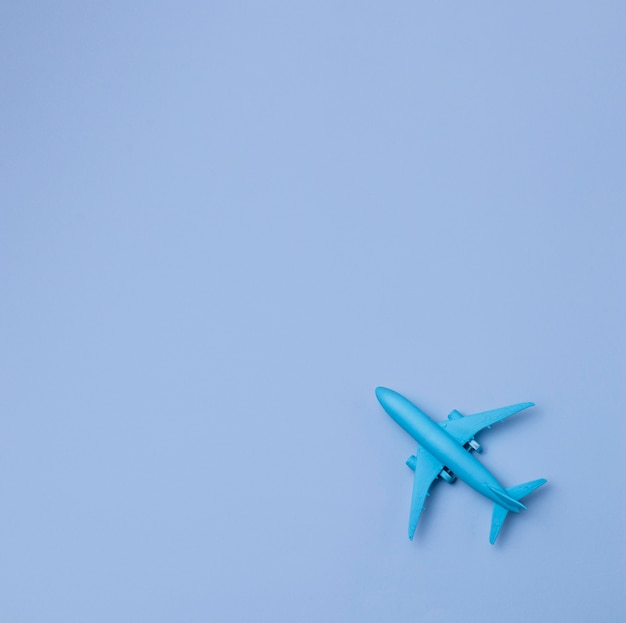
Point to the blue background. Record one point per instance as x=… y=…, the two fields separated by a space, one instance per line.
x=223 y=224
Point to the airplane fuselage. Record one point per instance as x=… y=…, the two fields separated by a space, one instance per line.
x=434 y=438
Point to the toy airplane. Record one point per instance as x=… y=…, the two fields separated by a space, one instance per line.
x=444 y=451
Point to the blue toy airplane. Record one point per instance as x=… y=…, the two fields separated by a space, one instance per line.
x=444 y=451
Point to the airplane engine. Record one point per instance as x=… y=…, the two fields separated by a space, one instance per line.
x=472 y=444
x=412 y=462
x=454 y=415
x=447 y=475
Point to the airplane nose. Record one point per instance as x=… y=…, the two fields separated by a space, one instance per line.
x=382 y=393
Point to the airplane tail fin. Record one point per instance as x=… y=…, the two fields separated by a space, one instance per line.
x=517 y=493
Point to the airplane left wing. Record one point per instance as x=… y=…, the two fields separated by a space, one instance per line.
x=427 y=468
x=464 y=428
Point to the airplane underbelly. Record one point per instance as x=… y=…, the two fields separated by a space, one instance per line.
x=466 y=467
x=474 y=473
x=447 y=450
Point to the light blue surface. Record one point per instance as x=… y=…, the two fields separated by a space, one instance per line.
x=442 y=452
x=223 y=223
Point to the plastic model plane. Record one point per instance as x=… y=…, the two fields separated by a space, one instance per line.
x=444 y=450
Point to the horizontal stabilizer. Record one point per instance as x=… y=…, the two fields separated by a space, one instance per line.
x=521 y=491
x=515 y=494
x=497 y=521
x=510 y=503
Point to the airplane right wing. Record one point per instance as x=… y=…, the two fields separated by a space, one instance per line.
x=464 y=428
x=427 y=468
